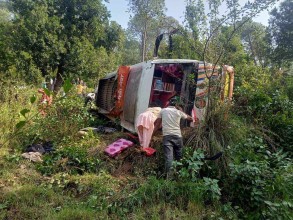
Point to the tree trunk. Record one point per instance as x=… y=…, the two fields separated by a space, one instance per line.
x=59 y=78
x=252 y=50
x=143 y=45
x=143 y=41
x=58 y=83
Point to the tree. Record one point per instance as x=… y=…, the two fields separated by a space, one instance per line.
x=63 y=37
x=221 y=44
x=5 y=15
x=281 y=32
x=147 y=16
x=234 y=52
x=254 y=38
x=131 y=52
x=6 y=28
x=168 y=27
x=196 y=18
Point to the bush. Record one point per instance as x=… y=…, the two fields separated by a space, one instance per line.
x=187 y=169
x=255 y=175
x=64 y=118
x=264 y=98
x=69 y=159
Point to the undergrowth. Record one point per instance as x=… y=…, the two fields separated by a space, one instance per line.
x=251 y=179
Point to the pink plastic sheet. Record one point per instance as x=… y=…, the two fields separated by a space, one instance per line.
x=117 y=147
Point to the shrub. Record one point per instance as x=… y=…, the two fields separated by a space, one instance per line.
x=255 y=175
x=70 y=159
x=64 y=119
x=187 y=169
x=265 y=99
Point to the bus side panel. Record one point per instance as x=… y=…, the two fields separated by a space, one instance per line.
x=131 y=93
x=137 y=94
x=144 y=89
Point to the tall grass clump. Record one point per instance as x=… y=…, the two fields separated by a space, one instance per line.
x=14 y=97
x=159 y=191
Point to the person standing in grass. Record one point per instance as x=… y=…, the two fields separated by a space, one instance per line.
x=45 y=102
x=80 y=88
x=172 y=137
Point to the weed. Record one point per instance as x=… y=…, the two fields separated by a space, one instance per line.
x=71 y=159
x=30 y=202
x=188 y=168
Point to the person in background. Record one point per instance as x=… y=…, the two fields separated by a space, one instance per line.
x=84 y=88
x=90 y=97
x=172 y=138
x=79 y=88
x=51 y=84
x=77 y=81
x=145 y=125
x=45 y=102
x=44 y=85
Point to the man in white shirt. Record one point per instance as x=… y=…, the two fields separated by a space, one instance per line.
x=172 y=137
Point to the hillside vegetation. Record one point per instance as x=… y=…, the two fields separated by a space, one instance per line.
x=253 y=179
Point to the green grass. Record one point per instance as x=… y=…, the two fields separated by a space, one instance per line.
x=77 y=213
x=78 y=181
x=31 y=202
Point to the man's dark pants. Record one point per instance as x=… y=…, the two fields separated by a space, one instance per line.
x=172 y=143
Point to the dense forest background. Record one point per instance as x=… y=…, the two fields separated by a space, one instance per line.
x=43 y=39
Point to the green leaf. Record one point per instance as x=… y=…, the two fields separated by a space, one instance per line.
x=20 y=124
x=47 y=91
x=33 y=99
x=3 y=205
x=268 y=203
x=24 y=111
x=67 y=85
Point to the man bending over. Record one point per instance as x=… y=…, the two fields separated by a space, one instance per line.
x=172 y=137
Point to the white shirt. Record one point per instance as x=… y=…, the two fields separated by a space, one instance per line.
x=91 y=95
x=171 y=121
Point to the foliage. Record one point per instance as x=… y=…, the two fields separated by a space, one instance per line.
x=182 y=45
x=196 y=18
x=131 y=53
x=54 y=125
x=261 y=97
x=147 y=15
x=61 y=38
x=255 y=174
x=251 y=180
x=281 y=29
x=14 y=98
x=189 y=166
x=256 y=42
x=234 y=49
x=71 y=159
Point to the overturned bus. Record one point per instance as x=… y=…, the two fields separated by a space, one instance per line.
x=130 y=90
